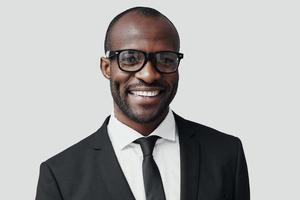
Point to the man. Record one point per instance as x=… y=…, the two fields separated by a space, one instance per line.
x=145 y=151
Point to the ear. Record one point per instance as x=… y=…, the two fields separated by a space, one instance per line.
x=105 y=67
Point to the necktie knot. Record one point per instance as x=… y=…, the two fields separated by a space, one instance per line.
x=147 y=144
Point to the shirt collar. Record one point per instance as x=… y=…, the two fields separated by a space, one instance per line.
x=122 y=135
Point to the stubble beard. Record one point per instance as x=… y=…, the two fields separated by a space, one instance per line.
x=120 y=100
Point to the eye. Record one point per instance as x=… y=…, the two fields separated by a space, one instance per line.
x=167 y=58
x=131 y=57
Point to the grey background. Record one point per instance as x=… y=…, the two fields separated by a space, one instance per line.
x=240 y=75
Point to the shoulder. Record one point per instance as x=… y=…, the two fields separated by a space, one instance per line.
x=73 y=155
x=79 y=152
x=208 y=137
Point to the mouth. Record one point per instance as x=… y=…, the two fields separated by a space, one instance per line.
x=145 y=96
x=143 y=93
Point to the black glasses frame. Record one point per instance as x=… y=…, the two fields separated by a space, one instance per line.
x=148 y=56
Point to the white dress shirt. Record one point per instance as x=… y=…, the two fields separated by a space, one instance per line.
x=166 y=154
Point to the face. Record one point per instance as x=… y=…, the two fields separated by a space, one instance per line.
x=142 y=96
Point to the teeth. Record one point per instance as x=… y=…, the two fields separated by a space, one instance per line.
x=146 y=93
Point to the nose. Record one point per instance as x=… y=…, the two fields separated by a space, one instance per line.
x=148 y=73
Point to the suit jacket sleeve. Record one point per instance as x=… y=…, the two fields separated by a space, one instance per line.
x=242 y=190
x=47 y=188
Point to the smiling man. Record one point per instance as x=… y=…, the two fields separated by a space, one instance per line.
x=145 y=151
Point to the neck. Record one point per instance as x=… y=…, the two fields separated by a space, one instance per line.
x=143 y=128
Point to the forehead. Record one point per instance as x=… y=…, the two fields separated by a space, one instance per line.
x=134 y=31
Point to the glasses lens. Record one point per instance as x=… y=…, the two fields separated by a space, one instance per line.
x=167 y=61
x=131 y=60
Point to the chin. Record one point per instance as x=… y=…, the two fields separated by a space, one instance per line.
x=145 y=115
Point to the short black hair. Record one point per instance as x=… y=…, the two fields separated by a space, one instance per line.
x=143 y=11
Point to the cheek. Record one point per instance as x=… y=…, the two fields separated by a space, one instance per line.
x=172 y=79
x=119 y=78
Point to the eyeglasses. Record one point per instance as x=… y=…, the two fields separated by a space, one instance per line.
x=130 y=60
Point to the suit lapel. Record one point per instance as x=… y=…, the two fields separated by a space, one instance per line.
x=111 y=172
x=115 y=181
x=189 y=160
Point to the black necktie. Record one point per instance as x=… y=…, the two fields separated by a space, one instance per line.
x=152 y=181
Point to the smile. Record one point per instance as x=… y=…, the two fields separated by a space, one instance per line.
x=146 y=93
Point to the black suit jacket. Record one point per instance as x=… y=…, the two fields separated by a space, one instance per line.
x=213 y=167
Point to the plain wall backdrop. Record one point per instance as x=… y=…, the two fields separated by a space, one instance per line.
x=240 y=75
